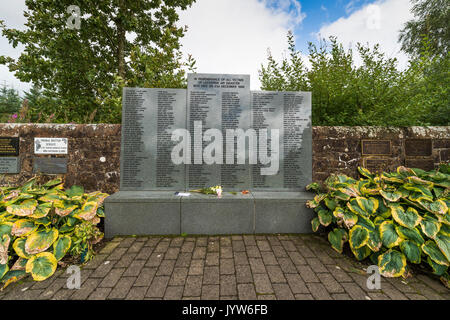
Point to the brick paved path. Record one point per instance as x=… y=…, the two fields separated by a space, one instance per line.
x=225 y=267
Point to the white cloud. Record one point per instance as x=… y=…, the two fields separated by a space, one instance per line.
x=232 y=36
x=379 y=22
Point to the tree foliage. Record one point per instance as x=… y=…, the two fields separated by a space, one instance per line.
x=373 y=92
x=117 y=43
x=432 y=21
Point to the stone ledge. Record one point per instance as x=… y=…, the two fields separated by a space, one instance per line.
x=163 y=213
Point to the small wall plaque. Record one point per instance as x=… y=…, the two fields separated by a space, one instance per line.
x=376 y=164
x=9 y=165
x=50 y=145
x=50 y=165
x=9 y=146
x=418 y=147
x=376 y=147
x=424 y=164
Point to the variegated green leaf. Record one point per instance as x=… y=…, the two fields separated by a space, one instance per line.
x=361 y=253
x=392 y=264
x=3 y=270
x=436 y=207
x=432 y=250
x=41 y=211
x=410 y=234
x=365 y=172
x=358 y=237
x=325 y=217
x=315 y=223
x=316 y=201
x=443 y=243
x=66 y=209
x=350 y=219
x=19 y=248
x=42 y=266
x=5 y=228
x=337 y=238
x=23 y=227
x=366 y=223
x=26 y=208
x=391 y=196
x=430 y=227
x=61 y=246
x=411 y=250
x=88 y=211
x=4 y=246
x=438 y=269
x=40 y=241
x=409 y=218
x=374 y=242
x=388 y=235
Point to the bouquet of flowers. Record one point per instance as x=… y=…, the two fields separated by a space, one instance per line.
x=211 y=190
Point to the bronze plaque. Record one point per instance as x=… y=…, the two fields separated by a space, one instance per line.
x=376 y=164
x=376 y=147
x=9 y=146
x=424 y=164
x=418 y=147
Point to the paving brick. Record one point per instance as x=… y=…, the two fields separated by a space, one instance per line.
x=283 y=291
x=177 y=242
x=318 y=291
x=125 y=260
x=303 y=296
x=275 y=274
x=187 y=246
x=155 y=259
x=184 y=259
x=316 y=265
x=273 y=240
x=225 y=241
x=174 y=293
x=226 y=252
x=112 y=278
x=196 y=267
x=238 y=245
x=213 y=246
x=103 y=269
x=240 y=258
x=262 y=283
x=414 y=296
x=296 y=283
x=193 y=286
x=279 y=252
x=249 y=240
x=227 y=266
x=158 y=287
x=425 y=290
x=253 y=252
x=296 y=258
x=267 y=297
x=212 y=259
x=152 y=242
x=211 y=275
x=355 y=291
x=210 y=292
x=340 y=296
x=86 y=288
x=307 y=274
x=263 y=245
x=243 y=274
x=62 y=294
x=109 y=247
x=54 y=287
x=136 y=293
x=136 y=246
x=286 y=265
x=179 y=276
x=246 y=291
x=330 y=283
x=199 y=253
x=339 y=274
x=305 y=251
x=236 y=237
x=228 y=298
x=100 y=294
x=126 y=242
x=162 y=246
x=269 y=258
x=201 y=242
x=288 y=245
x=122 y=288
x=165 y=268
x=117 y=254
x=94 y=263
x=144 y=253
x=134 y=268
x=257 y=265
x=172 y=253
x=434 y=284
x=145 y=277
x=228 y=285
x=377 y=296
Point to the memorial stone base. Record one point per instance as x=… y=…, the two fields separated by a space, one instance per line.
x=163 y=213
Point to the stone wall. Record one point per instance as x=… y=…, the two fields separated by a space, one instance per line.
x=94 y=150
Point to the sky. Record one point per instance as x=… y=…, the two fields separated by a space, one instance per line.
x=234 y=36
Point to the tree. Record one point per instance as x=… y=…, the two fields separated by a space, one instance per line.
x=10 y=102
x=432 y=21
x=77 y=67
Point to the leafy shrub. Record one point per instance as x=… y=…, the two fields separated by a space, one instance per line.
x=392 y=218
x=39 y=225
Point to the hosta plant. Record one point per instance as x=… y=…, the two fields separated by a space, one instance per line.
x=395 y=219
x=41 y=224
